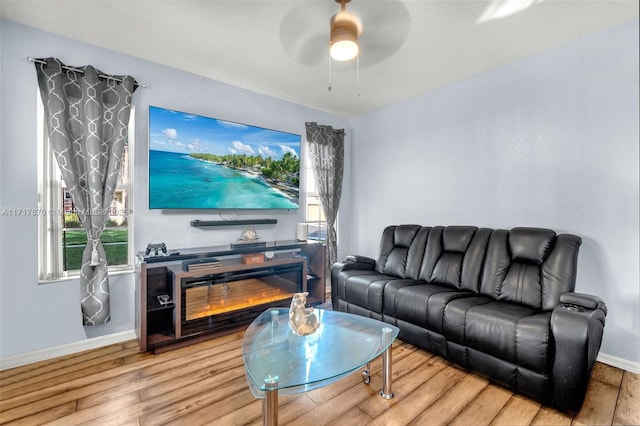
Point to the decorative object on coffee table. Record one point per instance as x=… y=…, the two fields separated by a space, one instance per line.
x=302 y=321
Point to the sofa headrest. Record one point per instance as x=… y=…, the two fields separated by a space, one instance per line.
x=403 y=235
x=530 y=245
x=453 y=256
x=395 y=256
x=457 y=238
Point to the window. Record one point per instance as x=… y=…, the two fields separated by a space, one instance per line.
x=314 y=216
x=61 y=236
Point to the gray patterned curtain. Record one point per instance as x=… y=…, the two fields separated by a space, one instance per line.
x=87 y=117
x=326 y=146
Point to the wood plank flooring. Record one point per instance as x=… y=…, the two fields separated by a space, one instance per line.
x=204 y=384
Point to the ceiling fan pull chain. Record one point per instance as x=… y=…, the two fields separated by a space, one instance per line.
x=358 y=75
x=329 y=88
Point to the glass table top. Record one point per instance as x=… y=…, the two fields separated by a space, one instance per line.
x=276 y=358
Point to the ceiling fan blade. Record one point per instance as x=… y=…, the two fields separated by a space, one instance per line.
x=385 y=25
x=304 y=31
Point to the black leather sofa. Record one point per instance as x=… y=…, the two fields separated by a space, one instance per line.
x=499 y=302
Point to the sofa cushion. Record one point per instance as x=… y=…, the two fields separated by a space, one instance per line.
x=366 y=290
x=455 y=316
x=420 y=304
x=339 y=284
x=514 y=333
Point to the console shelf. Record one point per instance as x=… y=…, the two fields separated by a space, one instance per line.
x=198 y=300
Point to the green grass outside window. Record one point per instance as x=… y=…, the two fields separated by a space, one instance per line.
x=115 y=242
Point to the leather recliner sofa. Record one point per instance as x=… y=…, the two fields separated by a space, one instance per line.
x=499 y=302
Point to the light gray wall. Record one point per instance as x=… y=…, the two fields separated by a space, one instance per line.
x=550 y=141
x=36 y=316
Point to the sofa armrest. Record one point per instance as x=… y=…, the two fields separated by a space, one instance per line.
x=354 y=258
x=580 y=302
x=577 y=325
x=351 y=262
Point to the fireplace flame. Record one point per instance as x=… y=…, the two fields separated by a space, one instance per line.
x=205 y=301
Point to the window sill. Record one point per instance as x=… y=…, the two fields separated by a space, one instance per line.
x=77 y=277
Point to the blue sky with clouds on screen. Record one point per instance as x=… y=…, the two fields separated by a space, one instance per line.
x=176 y=131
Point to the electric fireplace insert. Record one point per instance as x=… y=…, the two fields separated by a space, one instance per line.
x=222 y=301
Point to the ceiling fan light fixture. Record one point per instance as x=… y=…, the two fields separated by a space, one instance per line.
x=345 y=29
x=344 y=50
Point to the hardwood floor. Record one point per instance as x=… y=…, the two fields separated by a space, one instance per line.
x=205 y=384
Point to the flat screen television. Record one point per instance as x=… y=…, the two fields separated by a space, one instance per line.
x=198 y=162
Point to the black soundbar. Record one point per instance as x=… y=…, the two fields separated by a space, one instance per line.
x=204 y=223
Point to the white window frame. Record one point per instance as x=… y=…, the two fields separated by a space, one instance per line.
x=50 y=207
x=311 y=191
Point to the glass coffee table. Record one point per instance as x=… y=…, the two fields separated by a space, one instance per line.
x=277 y=361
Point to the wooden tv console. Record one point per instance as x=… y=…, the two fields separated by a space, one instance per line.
x=175 y=307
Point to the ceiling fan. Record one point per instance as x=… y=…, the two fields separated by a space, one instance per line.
x=345 y=30
x=378 y=28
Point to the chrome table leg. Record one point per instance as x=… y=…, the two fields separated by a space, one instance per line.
x=270 y=402
x=386 y=392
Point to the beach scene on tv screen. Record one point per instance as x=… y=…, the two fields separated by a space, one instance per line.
x=197 y=162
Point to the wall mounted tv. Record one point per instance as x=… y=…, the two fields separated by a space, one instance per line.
x=198 y=162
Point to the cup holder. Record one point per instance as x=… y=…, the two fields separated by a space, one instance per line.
x=573 y=307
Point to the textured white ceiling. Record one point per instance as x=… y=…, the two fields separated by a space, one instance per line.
x=280 y=48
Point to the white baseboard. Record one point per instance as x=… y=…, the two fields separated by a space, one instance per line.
x=620 y=363
x=62 y=350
